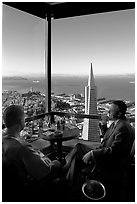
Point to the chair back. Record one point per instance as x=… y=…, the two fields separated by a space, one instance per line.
x=132 y=153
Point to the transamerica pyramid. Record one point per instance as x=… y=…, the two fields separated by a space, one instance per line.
x=90 y=126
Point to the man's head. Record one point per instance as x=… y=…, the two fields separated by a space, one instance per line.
x=14 y=117
x=117 y=110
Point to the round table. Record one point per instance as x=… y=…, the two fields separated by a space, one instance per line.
x=64 y=135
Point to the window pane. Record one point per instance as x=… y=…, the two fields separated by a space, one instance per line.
x=23 y=60
x=107 y=41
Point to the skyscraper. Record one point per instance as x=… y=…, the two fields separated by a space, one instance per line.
x=90 y=126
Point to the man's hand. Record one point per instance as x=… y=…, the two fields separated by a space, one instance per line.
x=104 y=119
x=87 y=157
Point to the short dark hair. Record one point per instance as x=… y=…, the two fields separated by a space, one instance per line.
x=12 y=115
x=122 y=106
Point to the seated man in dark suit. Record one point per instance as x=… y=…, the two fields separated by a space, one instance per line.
x=113 y=152
x=16 y=152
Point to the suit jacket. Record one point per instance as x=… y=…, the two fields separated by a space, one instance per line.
x=116 y=146
x=27 y=161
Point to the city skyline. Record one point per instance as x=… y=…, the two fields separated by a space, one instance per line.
x=107 y=40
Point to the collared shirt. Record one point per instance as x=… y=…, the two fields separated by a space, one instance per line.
x=116 y=122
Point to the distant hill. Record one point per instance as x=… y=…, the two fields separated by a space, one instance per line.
x=14 y=78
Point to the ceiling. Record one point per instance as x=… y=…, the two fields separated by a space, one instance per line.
x=69 y=9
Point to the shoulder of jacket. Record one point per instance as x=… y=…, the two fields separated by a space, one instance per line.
x=11 y=143
x=123 y=124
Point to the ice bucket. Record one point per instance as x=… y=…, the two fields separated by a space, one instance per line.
x=94 y=190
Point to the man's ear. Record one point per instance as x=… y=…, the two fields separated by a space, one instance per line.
x=119 y=114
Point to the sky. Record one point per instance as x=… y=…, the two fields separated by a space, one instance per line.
x=106 y=40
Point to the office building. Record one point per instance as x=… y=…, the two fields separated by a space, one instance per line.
x=90 y=126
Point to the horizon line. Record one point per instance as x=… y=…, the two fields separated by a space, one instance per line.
x=54 y=74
